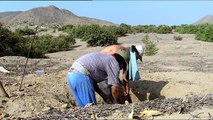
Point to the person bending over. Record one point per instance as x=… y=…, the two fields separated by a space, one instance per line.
x=90 y=69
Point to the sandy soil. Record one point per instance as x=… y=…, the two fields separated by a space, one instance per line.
x=179 y=69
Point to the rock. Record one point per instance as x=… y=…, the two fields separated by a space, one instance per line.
x=6 y=115
x=3 y=101
x=151 y=96
x=126 y=102
x=45 y=109
x=28 y=85
x=64 y=106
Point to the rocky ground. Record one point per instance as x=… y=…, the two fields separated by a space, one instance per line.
x=176 y=81
x=166 y=106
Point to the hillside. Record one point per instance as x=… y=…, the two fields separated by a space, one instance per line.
x=206 y=19
x=47 y=16
x=6 y=15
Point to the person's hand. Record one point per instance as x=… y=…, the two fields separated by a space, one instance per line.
x=126 y=92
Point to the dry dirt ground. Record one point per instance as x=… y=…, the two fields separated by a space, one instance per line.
x=179 y=69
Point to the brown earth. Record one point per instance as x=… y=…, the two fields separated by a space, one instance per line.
x=179 y=69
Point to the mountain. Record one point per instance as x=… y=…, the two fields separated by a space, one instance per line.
x=206 y=19
x=47 y=16
x=8 y=14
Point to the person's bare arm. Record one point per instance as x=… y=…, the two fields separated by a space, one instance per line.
x=117 y=94
x=112 y=49
x=106 y=98
x=98 y=90
x=125 y=82
x=126 y=87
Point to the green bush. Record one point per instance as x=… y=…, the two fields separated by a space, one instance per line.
x=150 y=46
x=10 y=43
x=25 y=31
x=144 y=29
x=42 y=30
x=178 y=38
x=48 y=43
x=36 y=51
x=150 y=29
x=205 y=33
x=164 y=29
x=67 y=28
x=117 y=31
x=61 y=43
x=202 y=32
x=103 y=39
x=13 y=43
x=186 y=29
x=126 y=28
x=145 y=39
x=80 y=31
x=84 y=31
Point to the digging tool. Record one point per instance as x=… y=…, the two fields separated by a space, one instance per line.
x=28 y=57
x=3 y=93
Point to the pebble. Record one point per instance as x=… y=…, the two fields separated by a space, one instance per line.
x=170 y=106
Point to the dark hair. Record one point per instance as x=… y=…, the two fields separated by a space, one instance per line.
x=133 y=49
x=120 y=60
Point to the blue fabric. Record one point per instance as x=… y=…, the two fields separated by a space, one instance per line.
x=133 y=67
x=82 y=88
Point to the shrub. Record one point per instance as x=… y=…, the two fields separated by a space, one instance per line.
x=67 y=28
x=25 y=31
x=186 y=29
x=84 y=31
x=10 y=43
x=150 y=46
x=164 y=29
x=126 y=28
x=114 y=30
x=48 y=43
x=119 y=31
x=103 y=39
x=144 y=29
x=13 y=43
x=42 y=30
x=205 y=33
x=62 y=43
x=36 y=51
x=178 y=38
x=137 y=29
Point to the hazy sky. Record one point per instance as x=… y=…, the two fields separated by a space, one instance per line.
x=129 y=12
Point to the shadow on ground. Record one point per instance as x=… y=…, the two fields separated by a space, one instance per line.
x=146 y=89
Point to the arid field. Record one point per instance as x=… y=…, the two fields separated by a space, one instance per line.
x=179 y=69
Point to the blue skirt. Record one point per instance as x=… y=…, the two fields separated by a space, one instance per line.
x=82 y=88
